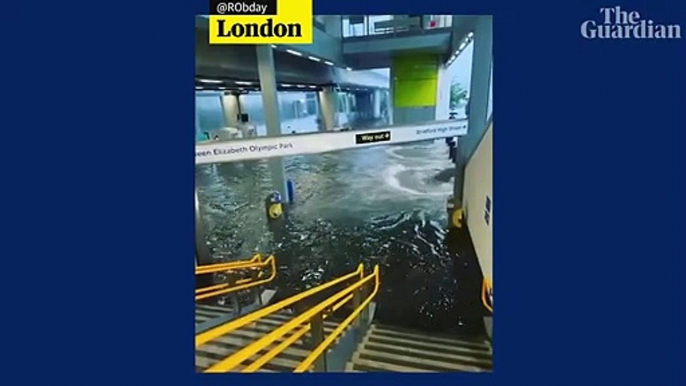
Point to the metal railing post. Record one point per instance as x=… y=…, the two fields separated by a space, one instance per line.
x=364 y=315
x=257 y=298
x=357 y=300
x=235 y=303
x=317 y=338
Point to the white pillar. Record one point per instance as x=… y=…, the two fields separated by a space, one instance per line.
x=328 y=105
x=231 y=109
x=270 y=104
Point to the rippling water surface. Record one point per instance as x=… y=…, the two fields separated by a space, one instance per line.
x=378 y=205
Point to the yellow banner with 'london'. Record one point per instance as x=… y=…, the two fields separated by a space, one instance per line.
x=261 y=22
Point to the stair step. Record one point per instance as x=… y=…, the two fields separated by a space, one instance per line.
x=466 y=358
x=250 y=335
x=211 y=314
x=367 y=365
x=237 y=343
x=207 y=307
x=438 y=335
x=267 y=326
x=428 y=339
x=428 y=346
x=279 y=319
x=210 y=354
x=200 y=318
x=414 y=361
x=224 y=346
x=485 y=363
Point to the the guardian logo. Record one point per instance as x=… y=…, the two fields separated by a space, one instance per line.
x=619 y=24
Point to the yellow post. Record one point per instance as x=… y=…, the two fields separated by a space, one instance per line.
x=457 y=218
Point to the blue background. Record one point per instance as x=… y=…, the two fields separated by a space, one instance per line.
x=97 y=165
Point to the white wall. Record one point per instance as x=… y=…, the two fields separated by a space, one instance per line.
x=477 y=186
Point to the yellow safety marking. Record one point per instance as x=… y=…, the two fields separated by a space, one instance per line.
x=457 y=218
x=275 y=211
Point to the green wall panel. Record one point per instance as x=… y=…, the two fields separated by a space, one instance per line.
x=415 y=80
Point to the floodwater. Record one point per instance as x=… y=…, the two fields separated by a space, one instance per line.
x=379 y=205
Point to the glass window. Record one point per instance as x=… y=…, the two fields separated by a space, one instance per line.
x=454 y=86
x=296 y=111
x=209 y=110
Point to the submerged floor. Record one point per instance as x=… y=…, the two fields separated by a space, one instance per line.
x=381 y=205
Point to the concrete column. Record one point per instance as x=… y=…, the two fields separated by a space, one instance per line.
x=198 y=131
x=391 y=96
x=270 y=104
x=478 y=99
x=231 y=105
x=376 y=109
x=333 y=24
x=328 y=105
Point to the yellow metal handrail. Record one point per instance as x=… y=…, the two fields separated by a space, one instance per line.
x=299 y=325
x=485 y=288
x=289 y=341
x=242 y=284
x=216 y=332
x=205 y=269
x=321 y=349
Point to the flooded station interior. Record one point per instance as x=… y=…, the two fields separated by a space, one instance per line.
x=318 y=251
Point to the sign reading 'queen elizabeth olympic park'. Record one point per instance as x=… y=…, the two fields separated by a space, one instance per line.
x=296 y=144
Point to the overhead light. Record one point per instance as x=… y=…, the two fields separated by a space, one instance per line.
x=348 y=68
x=243 y=83
x=273 y=45
x=301 y=86
x=329 y=63
x=222 y=88
x=314 y=58
x=464 y=43
x=310 y=86
x=294 y=52
x=210 y=81
x=199 y=88
x=470 y=35
x=241 y=88
x=286 y=85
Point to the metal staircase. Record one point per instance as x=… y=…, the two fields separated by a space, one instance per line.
x=385 y=349
x=286 y=361
x=328 y=328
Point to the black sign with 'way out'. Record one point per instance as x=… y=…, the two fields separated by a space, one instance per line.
x=379 y=136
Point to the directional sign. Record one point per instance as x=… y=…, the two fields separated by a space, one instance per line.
x=379 y=136
x=287 y=145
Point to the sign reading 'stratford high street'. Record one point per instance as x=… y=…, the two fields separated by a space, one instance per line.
x=616 y=23
x=261 y=22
